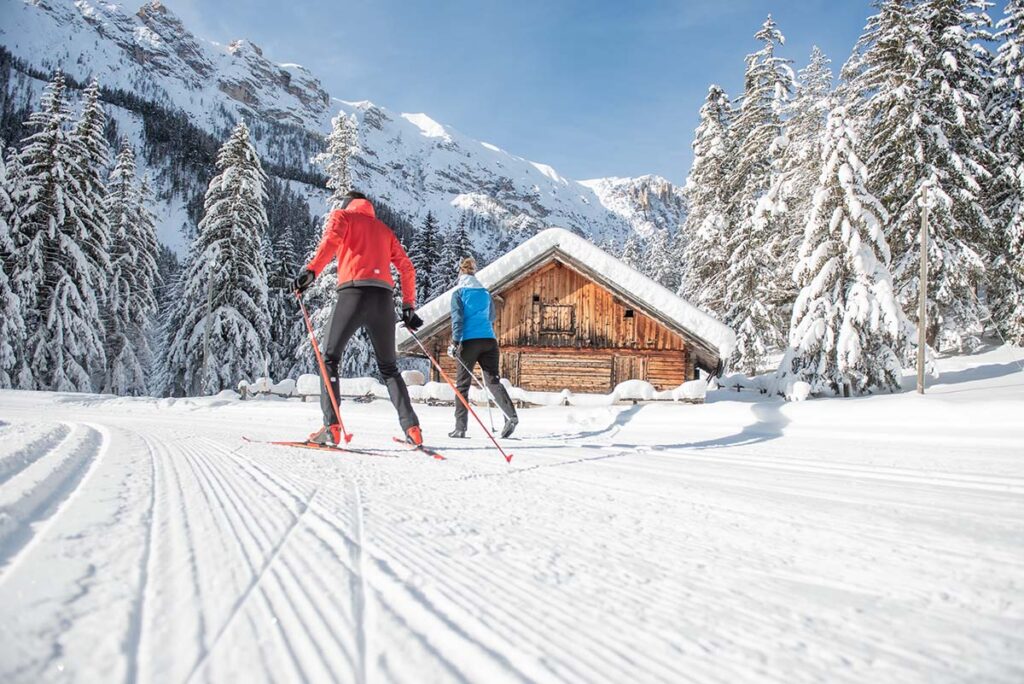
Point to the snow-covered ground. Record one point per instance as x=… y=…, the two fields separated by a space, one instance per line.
x=878 y=539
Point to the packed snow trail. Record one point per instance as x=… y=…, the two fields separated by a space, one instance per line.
x=878 y=539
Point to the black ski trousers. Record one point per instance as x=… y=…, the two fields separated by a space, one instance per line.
x=485 y=352
x=372 y=308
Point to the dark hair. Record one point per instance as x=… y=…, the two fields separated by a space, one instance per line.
x=350 y=196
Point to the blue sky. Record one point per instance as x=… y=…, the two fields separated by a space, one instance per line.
x=591 y=88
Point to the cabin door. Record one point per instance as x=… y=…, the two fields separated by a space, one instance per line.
x=629 y=367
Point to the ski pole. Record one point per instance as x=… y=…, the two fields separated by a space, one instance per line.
x=323 y=369
x=508 y=457
x=486 y=391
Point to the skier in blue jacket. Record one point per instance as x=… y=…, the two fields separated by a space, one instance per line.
x=474 y=341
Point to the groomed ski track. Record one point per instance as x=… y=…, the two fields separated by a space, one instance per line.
x=143 y=540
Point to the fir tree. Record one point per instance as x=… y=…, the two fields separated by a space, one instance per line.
x=847 y=327
x=916 y=80
x=342 y=143
x=133 y=278
x=801 y=167
x=224 y=289
x=632 y=251
x=12 y=326
x=1007 y=141
x=749 y=298
x=425 y=253
x=58 y=278
x=90 y=146
x=456 y=247
x=706 y=260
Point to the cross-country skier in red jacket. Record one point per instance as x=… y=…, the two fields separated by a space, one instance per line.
x=365 y=248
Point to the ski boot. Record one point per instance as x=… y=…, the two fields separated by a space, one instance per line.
x=510 y=427
x=414 y=436
x=326 y=436
x=457 y=434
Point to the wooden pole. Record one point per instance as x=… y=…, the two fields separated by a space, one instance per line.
x=922 y=313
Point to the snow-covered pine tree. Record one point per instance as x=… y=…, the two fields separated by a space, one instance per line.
x=425 y=253
x=224 y=289
x=456 y=247
x=1007 y=141
x=58 y=279
x=916 y=79
x=801 y=166
x=12 y=326
x=848 y=330
x=280 y=257
x=705 y=261
x=750 y=300
x=659 y=265
x=342 y=143
x=632 y=252
x=131 y=300
x=90 y=145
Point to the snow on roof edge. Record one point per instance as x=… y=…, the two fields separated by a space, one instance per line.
x=659 y=298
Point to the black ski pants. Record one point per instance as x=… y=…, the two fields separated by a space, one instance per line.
x=485 y=352
x=371 y=308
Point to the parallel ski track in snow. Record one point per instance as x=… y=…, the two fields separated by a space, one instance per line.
x=586 y=560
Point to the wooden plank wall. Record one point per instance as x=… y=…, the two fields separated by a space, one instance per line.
x=558 y=329
x=600 y=320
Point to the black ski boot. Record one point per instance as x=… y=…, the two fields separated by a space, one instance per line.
x=457 y=434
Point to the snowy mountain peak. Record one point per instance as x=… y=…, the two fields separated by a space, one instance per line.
x=411 y=161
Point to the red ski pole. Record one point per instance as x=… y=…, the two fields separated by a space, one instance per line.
x=508 y=457
x=323 y=369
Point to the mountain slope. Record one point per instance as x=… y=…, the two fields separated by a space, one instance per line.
x=412 y=162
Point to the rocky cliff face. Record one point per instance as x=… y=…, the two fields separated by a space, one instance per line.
x=409 y=160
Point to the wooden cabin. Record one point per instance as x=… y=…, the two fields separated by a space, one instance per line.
x=571 y=316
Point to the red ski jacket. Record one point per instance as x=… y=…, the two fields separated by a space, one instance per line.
x=365 y=248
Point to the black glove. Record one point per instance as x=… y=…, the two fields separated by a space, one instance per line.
x=303 y=280
x=410 y=319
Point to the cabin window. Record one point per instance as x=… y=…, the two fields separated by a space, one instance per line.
x=557 y=319
x=629 y=313
x=536 y=298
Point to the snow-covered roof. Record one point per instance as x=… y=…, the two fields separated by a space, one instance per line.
x=630 y=284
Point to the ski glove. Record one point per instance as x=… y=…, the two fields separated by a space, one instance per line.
x=303 y=281
x=410 y=319
x=454 y=350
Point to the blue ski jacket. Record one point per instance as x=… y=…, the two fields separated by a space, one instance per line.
x=472 y=311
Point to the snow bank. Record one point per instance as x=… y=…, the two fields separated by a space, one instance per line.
x=638 y=390
x=432 y=391
x=693 y=390
x=285 y=388
x=308 y=385
x=413 y=378
x=798 y=391
x=655 y=296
